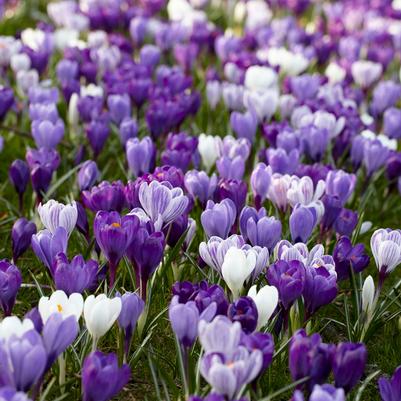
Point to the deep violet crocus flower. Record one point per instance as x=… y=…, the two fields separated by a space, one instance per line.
x=21 y=235
x=390 y=389
x=18 y=174
x=10 y=282
x=113 y=234
x=105 y=196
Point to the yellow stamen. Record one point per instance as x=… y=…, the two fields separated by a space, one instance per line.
x=116 y=225
x=59 y=308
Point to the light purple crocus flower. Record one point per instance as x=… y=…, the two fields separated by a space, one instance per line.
x=200 y=185
x=47 y=134
x=244 y=125
x=162 y=203
x=140 y=155
x=218 y=218
x=340 y=184
x=390 y=389
x=260 y=183
x=119 y=107
x=231 y=169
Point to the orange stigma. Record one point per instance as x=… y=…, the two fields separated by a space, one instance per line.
x=116 y=225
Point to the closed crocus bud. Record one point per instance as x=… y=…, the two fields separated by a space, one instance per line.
x=266 y=300
x=132 y=307
x=128 y=129
x=6 y=101
x=349 y=364
x=54 y=214
x=102 y=378
x=260 y=183
x=392 y=123
x=213 y=93
x=200 y=185
x=149 y=56
x=60 y=303
x=10 y=282
x=47 y=134
x=244 y=311
x=375 y=155
x=119 y=107
x=237 y=267
x=21 y=235
x=340 y=184
x=365 y=72
x=263 y=104
x=140 y=155
x=88 y=175
x=281 y=161
x=19 y=175
x=332 y=209
x=302 y=223
x=208 y=149
x=278 y=190
x=100 y=313
x=390 y=389
x=244 y=125
x=47 y=245
x=98 y=131
x=231 y=169
x=368 y=294
x=218 y=218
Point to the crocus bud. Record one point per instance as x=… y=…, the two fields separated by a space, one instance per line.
x=365 y=72
x=10 y=282
x=260 y=183
x=368 y=294
x=244 y=311
x=218 y=218
x=200 y=185
x=100 y=313
x=208 y=149
x=340 y=184
x=128 y=129
x=237 y=267
x=19 y=175
x=21 y=235
x=88 y=175
x=119 y=107
x=213 y=93
x=266 y=300
x=392 y=123
x=149 y=56
x=244 y=125
x=99 y=368
x=302 y=223
x=6 y=101
x=47 y=134
x=349 y=364
x=140 y=155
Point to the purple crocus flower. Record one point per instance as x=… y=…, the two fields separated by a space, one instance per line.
x=262 y=341
x=119 y=107
x=392 y=123
x=149 y=56
x=325 y=392
x=309 y=357
x=21 y=235
x=74 y=276
x=231 y=169
x=347 y=257
x=6 y=101
x=170 y=174
x=346 y=222
x=332 y=209
x=385 y=95
x=105 y=196
x=281 y=161
x=88 y=174
x=315 y=141
x=374 y=156
x=340 y=184
x=10 y=394
x=244 y=311
x=320 y=288
x=18 y=174
x=128 y=129
x=47 y=134
x=113 y=234
x=259 y=229
x=218 y=218
x=244 y=125
x=47 y=245
x=10 y=282
x=23 y=360
x=102 y=378
x=43 y=111
x=140 y=155
x=34 y=316
x=132 y=307
x=390 y=389
x=200 y=186
x=349 y=364
x=289 y=279
x=58 y=334
x=232 y=189
x=98 y=131
x=302 y=223
x=260 y=183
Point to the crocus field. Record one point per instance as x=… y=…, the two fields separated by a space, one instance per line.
x=200 y=200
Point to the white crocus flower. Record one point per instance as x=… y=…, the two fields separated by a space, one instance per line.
x=92 y=90
x=54 y=214
x=100 y=313
x=73 y=113
x=368 y=294
x=290 y=63
x=365 y=72
x=208 y=147
x=386 y=249
x=258 y=78
x=335 y=73
x=14 y=326
x=237 y=267
x=60 y=303
x=266 y=300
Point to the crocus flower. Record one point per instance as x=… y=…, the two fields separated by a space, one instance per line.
x=140 y=155
x=58 y=334
x=266 y=300
x=278 y=188
x=74 y=276
x=113 y=234
x=7 y=100
x=237 y=267
x=18 y=174
x=132 y=307
x=244 y=125
x=218 y=218
x=289 y=279
x=54 y=214
x=340 y=184
x=244 y=311
x=47 y=245
x=21 y=235
x=102 y=378
x=208 y=149
x=375 y=155
x=128 y=129
x=263 y=342
x=302 y=223
x=88 y=174
x=13 y=326
x=10 y=282
x=368 y=295
x=386 y=249
x=231 y=169
x=105 y=196
x=235 y=190
x=349 y=364
x=10 y=394
x=390 y=389
x=308 y=356
x=365 y=72
x=100 y=313
x=260 y=183
x=325 y=392
x=119 y=107
x=162 y=203
x=200 y=186
x=60 y=303
x=346 y=222
x=46 y=134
